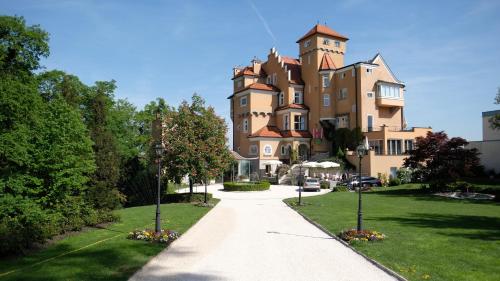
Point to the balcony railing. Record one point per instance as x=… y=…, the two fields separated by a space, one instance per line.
x=381 y=128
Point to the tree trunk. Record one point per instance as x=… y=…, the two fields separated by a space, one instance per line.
x=190 y=187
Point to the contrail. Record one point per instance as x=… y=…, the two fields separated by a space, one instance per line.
x=264 y=22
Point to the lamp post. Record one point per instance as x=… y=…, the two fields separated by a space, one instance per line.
x=361 y=151
x=300 y=180
x=159 y=152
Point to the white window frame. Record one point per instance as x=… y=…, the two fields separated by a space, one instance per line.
x=326 y=100
x=245 y=125
x=298 y=97
x=286 y=122
x=337 y=43
x=373 y=122
x=253 y=150
x=268 y=150
x=301 y=123
x=283 y=150
x=325 y=80
x=281 y=99
x=243 y=104
x=342 y=75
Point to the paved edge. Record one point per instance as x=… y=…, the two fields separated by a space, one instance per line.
x=374 y=262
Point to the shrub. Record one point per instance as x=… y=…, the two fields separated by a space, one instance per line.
x=363 y=235
x=22 y=224
x=341 y=188
x=196 y=197
x=394 y=182
x=383 y=179
x=324 y=185
x=246 y=186
x=165 y=236
x=404 y=175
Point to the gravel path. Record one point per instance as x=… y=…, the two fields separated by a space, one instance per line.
x=255 y=236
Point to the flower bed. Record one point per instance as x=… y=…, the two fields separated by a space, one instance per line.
x=166 y=236
x=364 y=235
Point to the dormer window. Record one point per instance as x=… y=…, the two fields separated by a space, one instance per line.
x=307 y=43
x=326 y=41
x=298 y=98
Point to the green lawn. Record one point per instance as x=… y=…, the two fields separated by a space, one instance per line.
x=447 y=239
x=114 y=259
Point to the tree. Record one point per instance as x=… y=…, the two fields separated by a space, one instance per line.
x=495 y=120
x=195 y=142
x=103 y=192
x=442 y=159
x=21 y=46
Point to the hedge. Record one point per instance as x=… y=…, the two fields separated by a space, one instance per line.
x=246 y=186
x=185 y=197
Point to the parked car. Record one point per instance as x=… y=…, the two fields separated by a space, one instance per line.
x=365 y=182
x=312 y=184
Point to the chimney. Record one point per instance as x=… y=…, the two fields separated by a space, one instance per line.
x=256 y=64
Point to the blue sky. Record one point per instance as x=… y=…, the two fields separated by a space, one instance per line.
x=447 y=52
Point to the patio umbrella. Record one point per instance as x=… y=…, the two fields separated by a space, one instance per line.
x=271 y=162
x=310 y=164
x=328 y=164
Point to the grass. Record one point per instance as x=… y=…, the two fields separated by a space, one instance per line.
x=114 y=259
x=429 y=237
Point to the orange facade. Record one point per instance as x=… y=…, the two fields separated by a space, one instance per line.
x=285 y=103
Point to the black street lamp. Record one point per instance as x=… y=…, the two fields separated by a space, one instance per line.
x=361 y=151
x=300 y=180
x=159 y=152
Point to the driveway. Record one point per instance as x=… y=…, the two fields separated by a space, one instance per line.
x=255 y=236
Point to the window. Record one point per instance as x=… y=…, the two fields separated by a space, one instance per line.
x=408 y=146
x=326 y=81
x=342 y=76
x=370 y=122
x=326 y=41
x=369 y=94
x=253 y=149
x=307 y=43
x=369 y=71
x=326 y=99
x=268 y=80
x=286 y=122
x=283 y=150
x=394 y=147
x=337 y=44
x=239 y=83
x=299 y=122
x=393 y=172
x=281 y=100
x=298 y=98
x=245 y=125
x=389 y=91
x=343 y=94
x=343 y=121
x=275 y=79
x=243 y=101
x=268 y=150
x=377 y=146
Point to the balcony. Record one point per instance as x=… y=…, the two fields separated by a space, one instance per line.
x=390 y=102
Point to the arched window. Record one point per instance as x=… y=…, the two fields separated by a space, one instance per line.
x=281 y=99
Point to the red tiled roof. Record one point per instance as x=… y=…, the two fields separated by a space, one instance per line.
x=296 y=134
x=327 y=63
x=274 y=132
x=260 y=86
x=294 y=66
x=322 y=29
x=268 y=131
x=293 y=106
x=248 y=70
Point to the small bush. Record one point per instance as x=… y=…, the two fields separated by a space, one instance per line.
x=196 y=197
x=324 y=185
x=341 y=188
x=246 y=186
x=394 y=182
x=363 y=235
x=165 y=236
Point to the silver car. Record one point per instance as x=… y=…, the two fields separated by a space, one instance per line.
x=312 y=184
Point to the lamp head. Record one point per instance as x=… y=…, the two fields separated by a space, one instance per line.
x=159 y=149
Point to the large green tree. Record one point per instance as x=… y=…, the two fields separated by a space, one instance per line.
x=195 y=141
x=495 y=120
